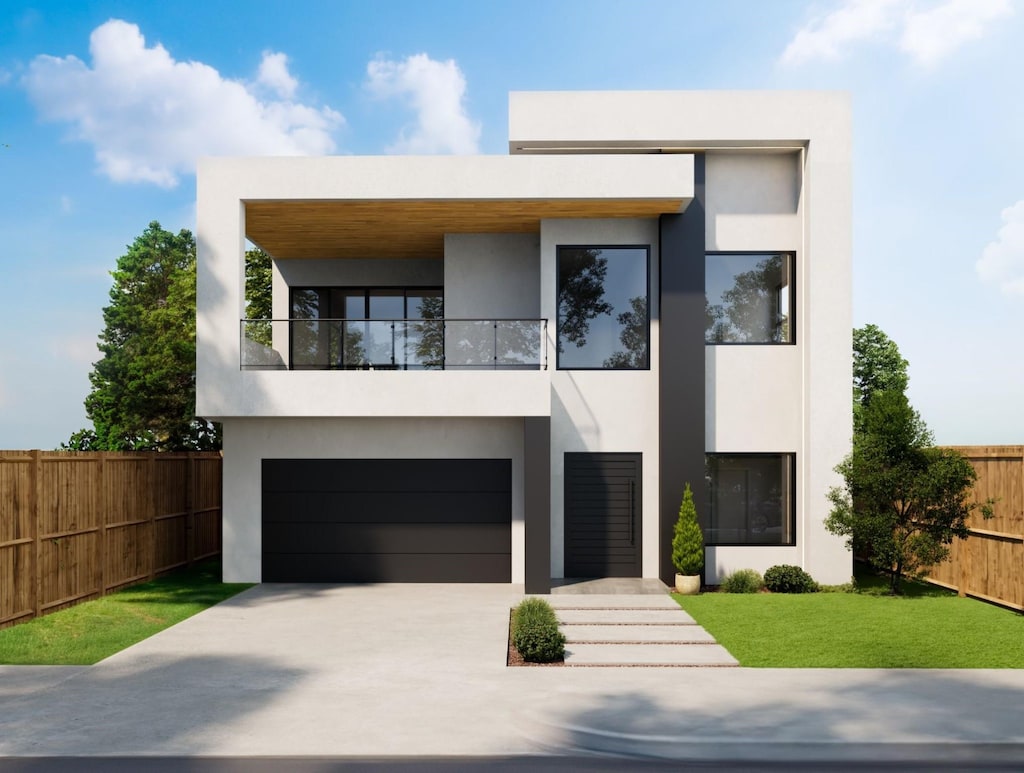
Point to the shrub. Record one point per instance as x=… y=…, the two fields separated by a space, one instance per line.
x=742 y=581
x=786 y=578
x=535 y=632
x=687 y=538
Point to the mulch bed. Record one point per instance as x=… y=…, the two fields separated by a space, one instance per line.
x=515 y=659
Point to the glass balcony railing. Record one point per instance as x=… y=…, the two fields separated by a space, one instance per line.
x=393 y=344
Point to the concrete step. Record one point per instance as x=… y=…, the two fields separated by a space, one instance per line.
x=625 y=616
x=677 y=634
x=648 y=655
x=607 y=601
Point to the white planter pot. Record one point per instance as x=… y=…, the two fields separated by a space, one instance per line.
x=688 y=584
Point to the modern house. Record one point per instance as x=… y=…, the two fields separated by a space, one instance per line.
x=506 y=368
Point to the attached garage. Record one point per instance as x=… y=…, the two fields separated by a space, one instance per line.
x=387 y=520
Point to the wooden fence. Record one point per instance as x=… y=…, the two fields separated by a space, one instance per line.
x=989 y=564
x=77 y=525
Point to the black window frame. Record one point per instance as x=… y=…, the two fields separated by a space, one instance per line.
x=705 y=519
x=558 y=349
x=791 y=254
x=366 y=290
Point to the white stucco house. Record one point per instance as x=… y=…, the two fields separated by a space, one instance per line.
x=506 y=368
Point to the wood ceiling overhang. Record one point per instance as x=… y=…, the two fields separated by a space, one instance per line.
x=409 y=228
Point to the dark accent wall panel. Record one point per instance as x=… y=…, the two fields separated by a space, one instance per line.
x=681 y=393
x=537 y=502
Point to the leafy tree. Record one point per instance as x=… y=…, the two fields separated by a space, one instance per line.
x=633 y=336
x=904 y=500
x=143 y=387
x=580 y=294
x=877 y=365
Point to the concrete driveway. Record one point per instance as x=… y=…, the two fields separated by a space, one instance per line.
x=420 y=670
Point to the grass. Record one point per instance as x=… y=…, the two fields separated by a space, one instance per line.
x=928 y=627
x=87 y=633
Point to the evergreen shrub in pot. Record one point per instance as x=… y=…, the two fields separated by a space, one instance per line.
x=688 y=546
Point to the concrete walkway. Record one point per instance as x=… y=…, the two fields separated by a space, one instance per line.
x=419 y=670
x=631 y=630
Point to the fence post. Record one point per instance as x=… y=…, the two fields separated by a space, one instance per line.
x=190 y=508
x=963 y=555
x=35 y=514
x=152 y=500
x=101 y=521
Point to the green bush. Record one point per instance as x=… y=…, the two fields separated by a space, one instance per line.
x=742 y=581
x=687 y=538
x=786 y=578
x=535 y=632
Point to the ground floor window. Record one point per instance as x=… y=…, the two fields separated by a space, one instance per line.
x=750 y=499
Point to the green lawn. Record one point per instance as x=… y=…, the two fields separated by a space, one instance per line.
x=87 y=633
x=926 y=628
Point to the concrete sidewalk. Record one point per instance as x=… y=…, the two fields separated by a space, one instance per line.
x=420 y=670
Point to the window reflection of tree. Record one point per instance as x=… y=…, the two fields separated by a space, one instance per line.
x=633 y=337
x=755 y=309
x=426 y=338
x=581 y=277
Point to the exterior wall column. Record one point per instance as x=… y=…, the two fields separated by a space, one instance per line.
x=681 y=394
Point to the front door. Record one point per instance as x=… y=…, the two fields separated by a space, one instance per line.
x=602 y=515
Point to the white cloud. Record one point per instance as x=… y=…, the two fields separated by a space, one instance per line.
x=853 y=21
x=67 y=206
x=150 y=117
x=275 y=76
x=436 y=91
x=5 y=76
x=930 y=35
x=927 y=32
x=1002 y=261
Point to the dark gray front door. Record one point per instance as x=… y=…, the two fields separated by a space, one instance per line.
x=387 y=520
x=602 y=515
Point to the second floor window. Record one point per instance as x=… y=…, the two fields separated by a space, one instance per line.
x=749 y=298
x=355 y=327
x=603 y=309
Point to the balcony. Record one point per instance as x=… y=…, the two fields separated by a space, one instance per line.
x=394 y=344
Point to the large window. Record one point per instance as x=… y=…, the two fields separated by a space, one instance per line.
x=603 y=315
x=749 y=298
x=750 y=499
x=358 y=327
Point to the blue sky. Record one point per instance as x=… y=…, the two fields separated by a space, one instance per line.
x=104 y=107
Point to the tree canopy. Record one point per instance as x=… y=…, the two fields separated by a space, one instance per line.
x=877 y=364
x=904 y=501
x=143 y=386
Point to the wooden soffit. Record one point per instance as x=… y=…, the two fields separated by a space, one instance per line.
x=415 y=228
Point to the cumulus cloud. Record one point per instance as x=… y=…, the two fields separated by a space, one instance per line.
x=436 y=92
x=932 y=34
x=1002 y=260
x=148 y=116
x=927 y=32
x=275 y=76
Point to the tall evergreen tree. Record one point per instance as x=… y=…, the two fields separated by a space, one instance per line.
x=143 y=387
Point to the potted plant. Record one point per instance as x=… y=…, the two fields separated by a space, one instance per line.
x=688 y=546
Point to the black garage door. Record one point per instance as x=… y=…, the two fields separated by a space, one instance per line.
x=387 y=520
